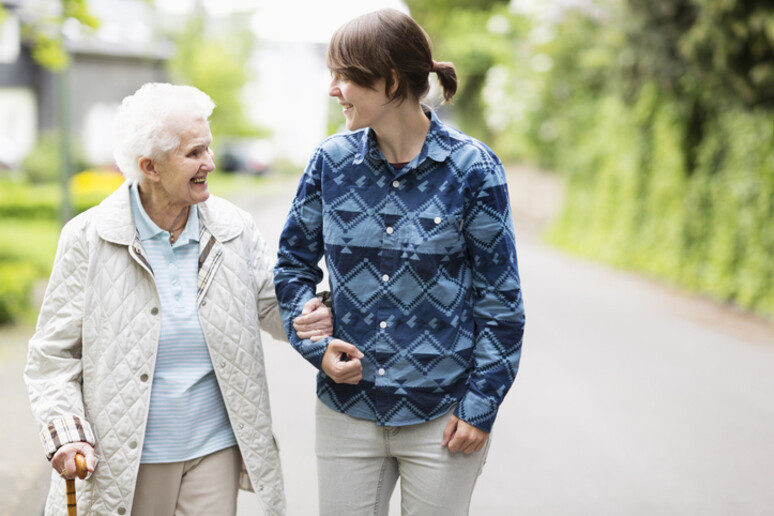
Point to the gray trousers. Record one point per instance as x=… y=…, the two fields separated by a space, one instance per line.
x=359 y=463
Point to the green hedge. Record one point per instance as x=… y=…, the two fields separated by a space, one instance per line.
x=27 y=250
x=633 y=202
x=17 y=279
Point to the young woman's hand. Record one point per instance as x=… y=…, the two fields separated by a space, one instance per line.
x=341 y=362
x=461 y=436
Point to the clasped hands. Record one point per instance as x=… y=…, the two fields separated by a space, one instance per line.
x=341 y=361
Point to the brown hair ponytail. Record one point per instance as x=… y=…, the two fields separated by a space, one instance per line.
x=388 y=44
x=447 y=77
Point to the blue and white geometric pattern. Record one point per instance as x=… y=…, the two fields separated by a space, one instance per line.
x=423 y=276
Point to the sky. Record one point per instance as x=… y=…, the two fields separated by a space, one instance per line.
x=288 y=20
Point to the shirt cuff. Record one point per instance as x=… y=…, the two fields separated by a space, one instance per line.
x=477 y=411
x=68 y=429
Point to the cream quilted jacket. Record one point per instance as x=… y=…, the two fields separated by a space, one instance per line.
x=94 y=349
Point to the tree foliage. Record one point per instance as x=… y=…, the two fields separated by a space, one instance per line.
x=216 y=64
x=719 y=51
x=461 y=33
x=670 y=164
x=43 y=29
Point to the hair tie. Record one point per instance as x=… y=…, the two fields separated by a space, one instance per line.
x=435 y=66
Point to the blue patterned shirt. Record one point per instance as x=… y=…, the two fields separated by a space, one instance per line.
x=423 y=275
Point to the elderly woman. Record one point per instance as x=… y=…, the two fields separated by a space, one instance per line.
x=147 y=354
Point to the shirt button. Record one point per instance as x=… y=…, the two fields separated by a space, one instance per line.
x=381 y=371
x=390 y=231
x=396 y=184
x=385 y=278
x=437 y=220
x=382 y=324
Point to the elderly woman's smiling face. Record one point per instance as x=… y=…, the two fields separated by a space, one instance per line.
x=182 y=174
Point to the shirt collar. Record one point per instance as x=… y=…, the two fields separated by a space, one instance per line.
x=149 y=229
x=437 y=143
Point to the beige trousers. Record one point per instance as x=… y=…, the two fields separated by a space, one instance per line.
x=207 y=485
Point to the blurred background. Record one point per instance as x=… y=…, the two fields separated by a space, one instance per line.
x=655 y=115
x=637 y=135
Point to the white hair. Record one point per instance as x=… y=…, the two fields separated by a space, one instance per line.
x=147 y=123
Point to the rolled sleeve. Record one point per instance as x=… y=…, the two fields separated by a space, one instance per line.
x=64 y=430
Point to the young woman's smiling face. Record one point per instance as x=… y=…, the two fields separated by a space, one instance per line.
x=363 y=107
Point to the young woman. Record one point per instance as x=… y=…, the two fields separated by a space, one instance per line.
x=414 y=222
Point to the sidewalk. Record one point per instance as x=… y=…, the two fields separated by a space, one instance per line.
x=24 y=471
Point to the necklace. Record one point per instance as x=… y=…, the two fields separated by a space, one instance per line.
x=172 y=237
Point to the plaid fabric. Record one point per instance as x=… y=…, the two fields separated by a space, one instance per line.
x=69 y=429
x=244 y=479
x=210 y=255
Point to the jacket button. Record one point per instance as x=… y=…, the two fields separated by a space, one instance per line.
x=133 y=445
x=121 y=511
x=143 y=377
x=154 y=311
x=204 y=303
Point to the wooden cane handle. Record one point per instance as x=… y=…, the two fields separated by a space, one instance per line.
x=81 y=471
x=80 y=466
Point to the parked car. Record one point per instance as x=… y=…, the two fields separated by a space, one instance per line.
x=247 y=156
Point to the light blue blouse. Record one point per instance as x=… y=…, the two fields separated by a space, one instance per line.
x=187 y=417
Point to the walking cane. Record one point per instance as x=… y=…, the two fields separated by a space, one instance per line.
x=81 y=471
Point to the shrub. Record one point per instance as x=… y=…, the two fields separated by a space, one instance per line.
x=43 y=163
x=16 y=282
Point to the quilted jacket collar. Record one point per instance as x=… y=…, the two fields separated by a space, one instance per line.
x=116 y=223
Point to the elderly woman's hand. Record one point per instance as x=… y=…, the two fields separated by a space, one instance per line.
x=315 y=321
x=63 y=460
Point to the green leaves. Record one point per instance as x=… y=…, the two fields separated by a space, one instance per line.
x=217 y=65
x=43 y=30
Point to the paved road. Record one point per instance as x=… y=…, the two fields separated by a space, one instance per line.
x=633 y=399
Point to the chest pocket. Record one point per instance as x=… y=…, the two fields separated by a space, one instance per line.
x=434 y=232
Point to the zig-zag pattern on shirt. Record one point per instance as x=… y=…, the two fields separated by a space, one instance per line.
x=423 y=274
